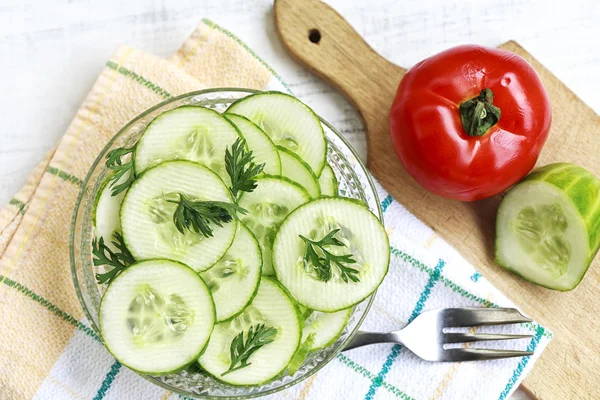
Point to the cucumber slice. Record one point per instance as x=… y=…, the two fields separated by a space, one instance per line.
x=106 y=212
x=288 y=122
x=548 y=226
x=186 y=133
x=272 y=200
x=271 y=307
x=328 y=182
x=156 y=317
x=361 y=232
x=259 y=143
x=147 y=215
x=300 y=172
x=320 y=330
x=233 y=280
x=326 y=327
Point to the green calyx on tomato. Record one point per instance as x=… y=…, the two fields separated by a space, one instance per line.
x=478 y=115
x=446 y=127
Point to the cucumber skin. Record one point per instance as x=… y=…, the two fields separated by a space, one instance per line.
x=194 y=358
x=280 y=373
x=355 y=201
x=257 y=285
x=318 y=173
x=583 y=194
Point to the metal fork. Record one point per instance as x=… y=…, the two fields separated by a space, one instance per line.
x=425 y=335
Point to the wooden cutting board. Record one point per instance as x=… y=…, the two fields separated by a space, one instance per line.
x=324 y=42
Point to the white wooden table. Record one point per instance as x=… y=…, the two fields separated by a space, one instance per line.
x=51 y=52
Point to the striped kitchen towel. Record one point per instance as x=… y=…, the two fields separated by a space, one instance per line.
x=47 y=349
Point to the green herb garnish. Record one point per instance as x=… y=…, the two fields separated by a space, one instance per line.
x=119 y=260
x=241 y=168
x=196 y=216
x=322 y=260
x=114 y=161
x=256 y=338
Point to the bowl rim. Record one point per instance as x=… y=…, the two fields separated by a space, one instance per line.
x=84 y=185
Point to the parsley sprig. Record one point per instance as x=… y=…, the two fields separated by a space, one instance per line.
x=119 y=260
x=114 y=161
x=322 y=260
x=241 y=168
x=241 y=351
x=196 y=216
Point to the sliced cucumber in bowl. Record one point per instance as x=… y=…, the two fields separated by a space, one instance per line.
x=328 y=182
x=148 y=210
x=259 y=143
x=233 y=280
x=186 y=133
x=157 y=316
x=219 y=216
x=294 y=168
x=272 y=200
x=358 y=250
x=271 y=308
x=107 y=206
x=288 y=122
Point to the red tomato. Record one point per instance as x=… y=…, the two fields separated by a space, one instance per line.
x=470 y=121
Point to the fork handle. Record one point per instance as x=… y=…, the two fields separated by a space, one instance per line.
x=362 y=338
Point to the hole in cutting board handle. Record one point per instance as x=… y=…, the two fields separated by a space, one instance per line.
x=314 y=36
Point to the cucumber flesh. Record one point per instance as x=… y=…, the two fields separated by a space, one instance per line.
x=272 y=200
x=271 y=307
x=548 y=226
x=147 y=215
x=300 y=172
x=326 y=327
x=233 y=280
x=156 y=317
x=263 y=149
x=364 y=238
x=288 y=122
x=186 y=133
x=328 y=182
x=107 y=221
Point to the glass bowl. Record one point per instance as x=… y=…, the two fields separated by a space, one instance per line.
x=354 y=181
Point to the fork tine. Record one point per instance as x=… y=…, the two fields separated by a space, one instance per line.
x=462 y=317
x=457 y=337
x=481 y=354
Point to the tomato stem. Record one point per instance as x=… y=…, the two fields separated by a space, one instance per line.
x=478 y=115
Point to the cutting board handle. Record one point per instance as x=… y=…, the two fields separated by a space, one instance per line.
x=318 y=37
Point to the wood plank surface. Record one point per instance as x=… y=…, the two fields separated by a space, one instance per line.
x=318 y=37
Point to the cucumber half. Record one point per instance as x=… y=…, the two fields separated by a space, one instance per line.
x=272 y=200
x=300 y=172
x=156 y=317
x=263 y=149
x=186 y=133
x=364 y=238
x=271 y=307
x=548 y=226
x=147 y=215
x=288 y=122
x=233 y=280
